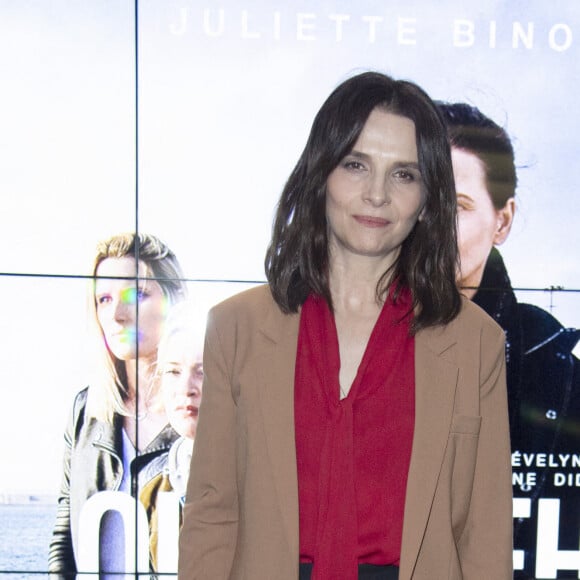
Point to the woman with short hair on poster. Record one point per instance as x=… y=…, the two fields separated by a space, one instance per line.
x=118 y=432
x=543 y=376
x=180 y=370
x=354 y=418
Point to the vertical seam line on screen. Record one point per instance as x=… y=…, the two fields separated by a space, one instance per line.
x=135 y=485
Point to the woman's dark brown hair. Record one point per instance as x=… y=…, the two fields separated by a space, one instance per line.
x=297 y=257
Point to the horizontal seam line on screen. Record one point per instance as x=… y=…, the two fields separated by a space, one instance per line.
x=242 y=281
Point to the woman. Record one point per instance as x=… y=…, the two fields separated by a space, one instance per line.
x=118 y=432
x=180 y=369
x=543 y=377
x=355 y=408
x=180 y=366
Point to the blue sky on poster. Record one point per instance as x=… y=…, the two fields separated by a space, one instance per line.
x=224 y=114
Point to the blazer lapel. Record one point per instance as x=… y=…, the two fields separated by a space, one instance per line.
x=275 y=372
x=435 y=384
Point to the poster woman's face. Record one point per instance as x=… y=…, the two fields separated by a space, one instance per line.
x=117 y=302
x=181 y=369
x=480 y=224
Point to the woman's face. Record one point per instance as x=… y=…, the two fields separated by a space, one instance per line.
x=375 y=195
x=480 y=224
x=181 y=370
x=116 y=303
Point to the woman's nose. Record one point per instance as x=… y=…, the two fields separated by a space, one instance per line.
x=377 y=192
x=194 y=385
x=122 y=311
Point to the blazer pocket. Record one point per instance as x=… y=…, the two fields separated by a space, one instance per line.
x=466 y=424
x=462 y=449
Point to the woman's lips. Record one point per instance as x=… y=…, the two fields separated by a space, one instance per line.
x=188 y=410
x=371 y=222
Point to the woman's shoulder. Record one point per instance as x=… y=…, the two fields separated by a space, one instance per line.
x=470 y=330
x=78 y=419
x=254 y=303
x=472 y=317
x=472 y=341
x=240 y=321
x=80 y=403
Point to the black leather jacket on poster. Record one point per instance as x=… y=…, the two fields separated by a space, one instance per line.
x=543 y=379
x=92 y=463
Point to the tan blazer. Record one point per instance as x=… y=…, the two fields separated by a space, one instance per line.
x=241 y=513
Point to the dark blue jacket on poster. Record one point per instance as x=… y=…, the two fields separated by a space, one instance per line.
x=543 y=379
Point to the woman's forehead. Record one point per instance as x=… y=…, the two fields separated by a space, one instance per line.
x=124 y=266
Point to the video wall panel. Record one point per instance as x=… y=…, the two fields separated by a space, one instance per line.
x=183 y=119
x=68 y=131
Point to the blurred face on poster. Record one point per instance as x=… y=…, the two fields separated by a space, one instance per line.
x=480 y=225
x=117 y=303
x=181 y=367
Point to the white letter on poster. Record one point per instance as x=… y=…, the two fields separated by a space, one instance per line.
x=548 y=558
x=526 y=36
x=406 y=31
x=373 y=21
x=277 y=25
x=463 y=33
x=522 y=508
x=339 y=19
x=90 y=518
x=168 y=537
x=207 y=28
x=181 y=27
x=303 y=26
x=246 y=27
x=567 y=42
x=492 y=34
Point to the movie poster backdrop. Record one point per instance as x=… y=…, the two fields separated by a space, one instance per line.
x=183 y=119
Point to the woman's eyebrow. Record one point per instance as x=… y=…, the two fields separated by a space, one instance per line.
x=358 y=154
x=401 y=163
x=409 y=165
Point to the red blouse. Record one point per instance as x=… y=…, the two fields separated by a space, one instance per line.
x=353 y=455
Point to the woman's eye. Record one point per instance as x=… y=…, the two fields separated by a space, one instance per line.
x=103 y=299
x=353 y=165
x=405 y=175
x=132 y=295
x=172 y=371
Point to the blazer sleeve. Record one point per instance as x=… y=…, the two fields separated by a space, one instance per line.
x=208 y=535
x=485 y=546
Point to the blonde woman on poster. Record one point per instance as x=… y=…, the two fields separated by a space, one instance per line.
x=118 y=435
x=354 y=418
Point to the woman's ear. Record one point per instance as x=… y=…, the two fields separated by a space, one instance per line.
x=421 y=214
x=505 y=218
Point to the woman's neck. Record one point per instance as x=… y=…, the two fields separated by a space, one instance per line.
x=146 y=417
x=140 y=375
x=142 y=386
x=353 y=285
